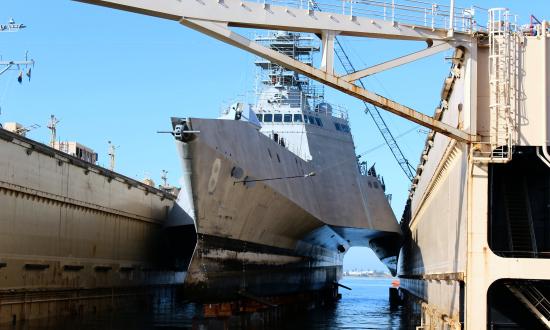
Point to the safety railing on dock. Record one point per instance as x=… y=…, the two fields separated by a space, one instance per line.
x=411 y=12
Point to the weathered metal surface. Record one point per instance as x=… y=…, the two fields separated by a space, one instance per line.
x=447 y=260
x=221 y=32
x=69 y=227
x=213 y=18
x=431 y=50
x=261 y=15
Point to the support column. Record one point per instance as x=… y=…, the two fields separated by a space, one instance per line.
x=327 y=62
x=478 y=268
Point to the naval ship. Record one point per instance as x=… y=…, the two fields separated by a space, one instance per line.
x=476 y=247
x=274 y=190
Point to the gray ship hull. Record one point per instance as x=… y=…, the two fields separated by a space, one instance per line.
x=271 y=237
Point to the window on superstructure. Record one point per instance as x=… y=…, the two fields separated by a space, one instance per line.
x=319 y=122
x=288 y=118
x=278 y=118
x=338 y=126
x=306 y=119
x=311 y=120
x=345 y=128
x=298 y=118
x=268 y=118
x=259 y=116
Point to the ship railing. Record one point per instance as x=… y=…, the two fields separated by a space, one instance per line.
x=305 y=102
x=410 y=12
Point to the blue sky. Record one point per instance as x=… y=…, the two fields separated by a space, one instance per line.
x=111 y=75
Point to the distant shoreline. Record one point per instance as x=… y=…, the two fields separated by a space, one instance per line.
x=377 y=276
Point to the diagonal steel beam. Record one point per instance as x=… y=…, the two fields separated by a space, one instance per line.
x=436 y=48
x=262 y=15
x=205 y=15
x=221 y=32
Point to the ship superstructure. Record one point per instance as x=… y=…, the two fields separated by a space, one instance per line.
x=275 y=190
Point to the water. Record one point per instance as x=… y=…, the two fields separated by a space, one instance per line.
x=365 y=307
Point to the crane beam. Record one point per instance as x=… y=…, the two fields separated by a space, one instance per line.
x=214 y=17
x=436 y=48
x=262 y=15
x=222 y=32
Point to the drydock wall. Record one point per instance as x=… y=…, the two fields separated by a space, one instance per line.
x=433 y=260
x=447 y=262
x=70 y=230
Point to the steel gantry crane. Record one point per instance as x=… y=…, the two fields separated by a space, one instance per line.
x=440 y=29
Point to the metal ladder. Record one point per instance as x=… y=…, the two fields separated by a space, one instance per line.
x=502 y=83
x=534 y=300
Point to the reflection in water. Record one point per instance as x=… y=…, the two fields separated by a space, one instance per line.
x=365 y=307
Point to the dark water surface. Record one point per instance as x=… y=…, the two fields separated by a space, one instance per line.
x=365 y=307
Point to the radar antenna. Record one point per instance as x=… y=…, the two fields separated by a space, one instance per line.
x=52 y=126
x=6 y=65
x=12 y=26
x=25 y=129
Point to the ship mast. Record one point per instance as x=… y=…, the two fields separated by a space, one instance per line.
x=164 y=178
x=6 y=65
x=52 y=126
x=112 y=155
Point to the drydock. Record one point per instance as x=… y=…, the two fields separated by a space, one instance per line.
x=482 y=262
x=485 y=161
x=76 y=237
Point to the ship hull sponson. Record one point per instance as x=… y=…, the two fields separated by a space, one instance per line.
x=288 y=215
x=222 y=269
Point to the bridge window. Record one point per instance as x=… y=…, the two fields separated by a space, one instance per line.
x=338 y=126
x=319 y=122
x=259 y=115
x=278 y=118
x=268 y=118
x=298 y=118
x=288 y=118
x=306 y=119
x=311 y=120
